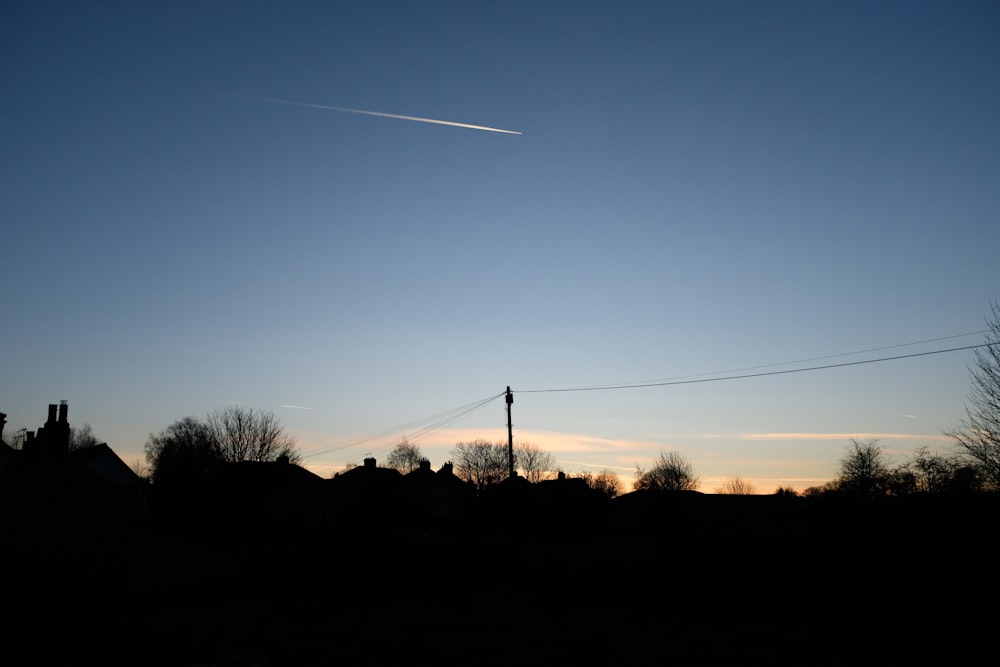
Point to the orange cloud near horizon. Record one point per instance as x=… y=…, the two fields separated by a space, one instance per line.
x=841 y=436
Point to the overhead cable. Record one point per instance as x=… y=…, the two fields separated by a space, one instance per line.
x=751 y=375
x=440 y=420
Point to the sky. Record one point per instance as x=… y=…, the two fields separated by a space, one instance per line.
x=371 y=218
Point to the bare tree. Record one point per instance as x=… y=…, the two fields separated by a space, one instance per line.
x=404 y=457
x=480 y=462
x=16 y=437
x=738 y=486
x=671 y=472
x=978 y=436
x=140 y=468
x=864 y=470
x=605 y=481
x=82 y=438
x=534 y=463
x=249 y=434
x=192 y=447
x=930 y=472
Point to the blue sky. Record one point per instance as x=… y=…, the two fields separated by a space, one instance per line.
x=697 y=188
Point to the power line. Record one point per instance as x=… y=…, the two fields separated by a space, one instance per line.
x=782 y=363
x=841 y=354
x=752 y=375
x=432 y=428
x=437 y=426
x=437 y=422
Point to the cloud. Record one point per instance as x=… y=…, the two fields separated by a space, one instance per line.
x=841 y=436
x=599 y=465
x=551 y=441
x=330 y=449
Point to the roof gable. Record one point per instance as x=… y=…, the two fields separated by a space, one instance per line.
x=102 y=460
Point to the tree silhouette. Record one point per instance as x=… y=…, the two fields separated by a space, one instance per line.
x=140 y=468
x=864 y=470
x=534 y=463
x=979 y=433
x=249 y=434
x=82 y=438
x=404 y=457
x=183 y=451
x=737 y=486
x=191 y=447
x=480 y=462
x=485 y=463
x=671 y=472
x=605 y=481
x=929 y=472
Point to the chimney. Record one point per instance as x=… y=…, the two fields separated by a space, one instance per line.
x=3 y=422
x=370 y=462
x=53 y=438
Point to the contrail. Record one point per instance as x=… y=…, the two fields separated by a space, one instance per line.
x=371 y=113
x=326 y=107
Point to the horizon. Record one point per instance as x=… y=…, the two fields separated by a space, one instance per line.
x=436 y=445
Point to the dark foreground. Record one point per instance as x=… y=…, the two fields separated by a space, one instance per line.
x=661 y=582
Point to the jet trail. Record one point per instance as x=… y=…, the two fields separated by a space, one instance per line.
x=372 y=113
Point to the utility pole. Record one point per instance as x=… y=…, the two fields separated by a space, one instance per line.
x=510 y=437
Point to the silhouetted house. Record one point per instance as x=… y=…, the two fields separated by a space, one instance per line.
x=564 y=485
x=553 y=509
x=47 y=480
x=569 y=498
x=278 y=492
x=367 y=478
x=368 y=498
x=243 y=520
x=60 y=505
x=436 y=501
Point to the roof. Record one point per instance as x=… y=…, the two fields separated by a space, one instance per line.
x=103 y=461
x=272 y=473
